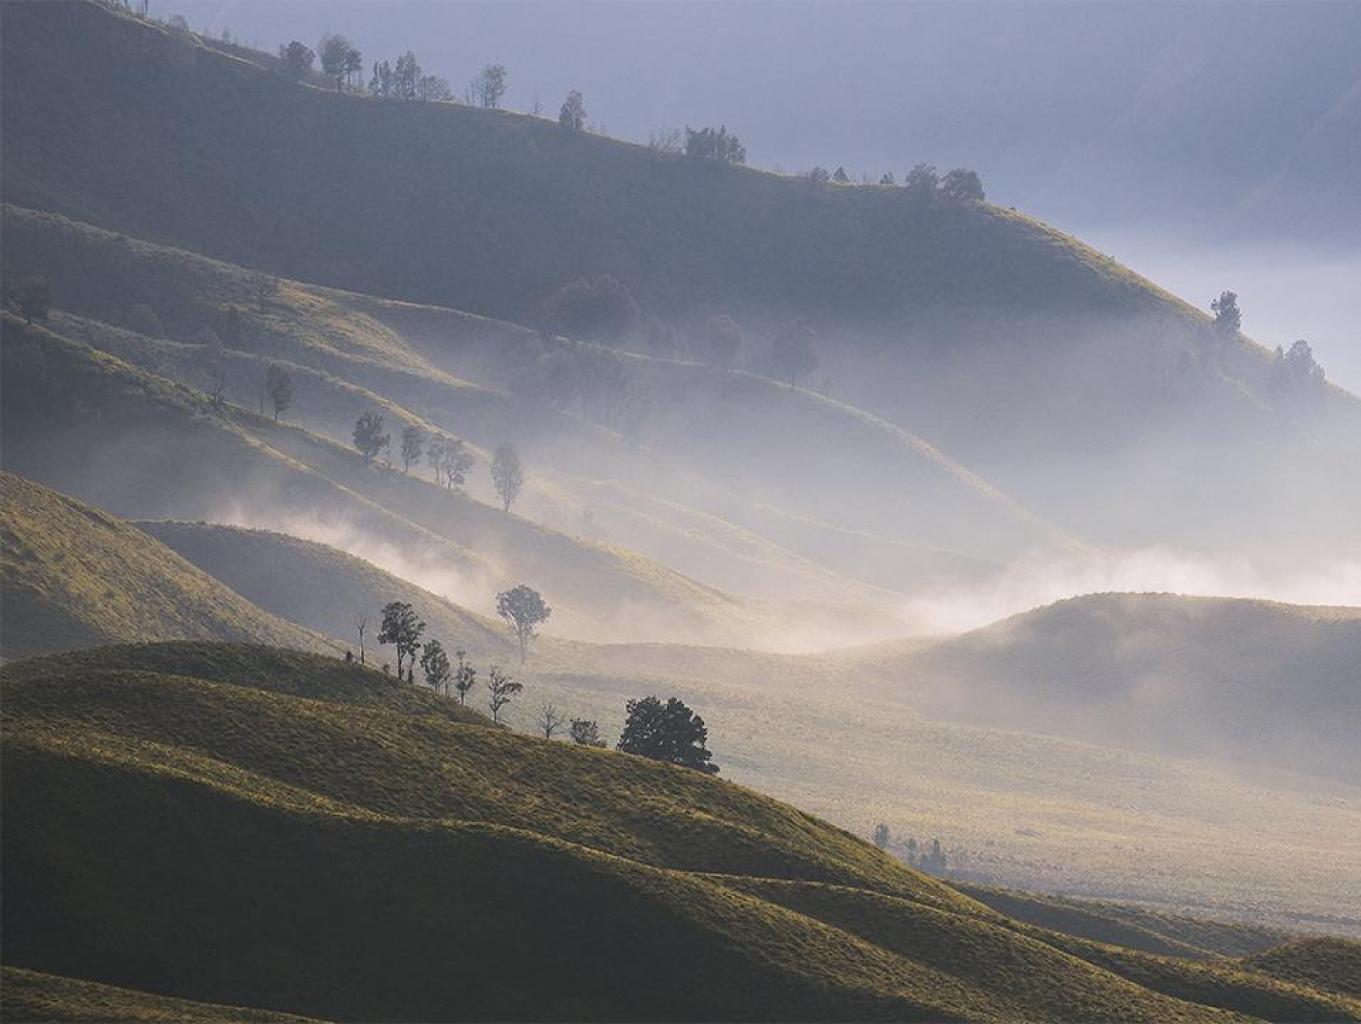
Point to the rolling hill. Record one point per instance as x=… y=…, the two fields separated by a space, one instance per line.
x=835 y=734
x=74 y=576
x=1255 y=682
x=458 y=863
x=1093 y=379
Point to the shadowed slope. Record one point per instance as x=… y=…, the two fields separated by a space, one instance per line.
x=74 y=576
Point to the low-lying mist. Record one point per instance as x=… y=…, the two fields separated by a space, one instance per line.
x=1033 y=582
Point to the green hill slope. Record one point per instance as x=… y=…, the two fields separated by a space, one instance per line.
x=74 y=576
x=1330 y=964
x=1028 y=811
x=35 y=996
x=693 y=451
x=459 y=861
x=1250 y=681
x=60 y=394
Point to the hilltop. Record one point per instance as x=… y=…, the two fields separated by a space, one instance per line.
x=72 y=575
x=669 y=894
x=1255 y=682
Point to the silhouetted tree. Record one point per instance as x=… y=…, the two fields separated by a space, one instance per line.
x=507 y=474
x=573 y=113
x=383 y=81
x=601 y=310
x=921 y=182
x=717 y=146
x=586 y=732
x=723 y=337
x=406 y=76
x=334 y=51
x=490 y=85
x=962 y=185
x=413 y=444
x=433 y=88
x=888 y=179
x=1296 y=380
x=465 y=676
x=523 y=609
x=450 y=459
x=1228 y=319
x=402 y=628
x=882 y=836
x=795 y=351
x=819 y=175
x=297 y=59
x=369 y=438
x=435 y=665
x=361 y=625
x=840 y=177
x=550 y=721
x=31 y=298
x=668 y=732
x=279 y=386
x=500 y=690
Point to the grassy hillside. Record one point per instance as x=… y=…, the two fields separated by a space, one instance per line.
x=1025 y=810
x=232 y=463
x=73 y=576
x=1250 y=681
x=1327 y=963
x=679 y=234
x=693 y=451
x=458 y=864
x=35 y=996
x=929 y=312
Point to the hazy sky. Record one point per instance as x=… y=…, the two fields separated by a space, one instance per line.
x=1047 y=101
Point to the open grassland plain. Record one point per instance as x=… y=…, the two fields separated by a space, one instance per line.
x=148 y=791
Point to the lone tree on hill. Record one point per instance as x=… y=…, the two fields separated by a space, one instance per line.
x=668 y=732
x=435 y=665
x=840 y=176
x=573 y=113
x=507 y=474
x=279 y=386
x=962 y=185
x=413 y=444
x=490 y=85
x=402 y=628
x=1228 y=319
x=550 y=720
x=882 y=836
x=450 y=460
x=888 y=179
x=31 y=298
x=337 y=58
x=818 y=175
x=361 y=625
x=523 y=609
x=500 y=689
x=369 y=438
x=297 y=59
x=465 y=676
x=586 y=732
x=795 y=351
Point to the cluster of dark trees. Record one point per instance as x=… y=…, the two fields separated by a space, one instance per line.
x=923 y=182
x=668 y=731
x=717 y=145
x=931 y=859
x=448 y=457
x=1295 y=383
